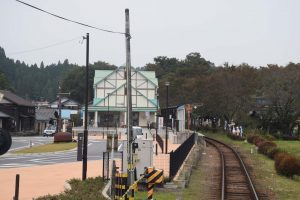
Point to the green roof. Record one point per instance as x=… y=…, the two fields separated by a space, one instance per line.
x=150 y=75
x=101 y=74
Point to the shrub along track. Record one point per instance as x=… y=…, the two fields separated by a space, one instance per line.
x=234 y=180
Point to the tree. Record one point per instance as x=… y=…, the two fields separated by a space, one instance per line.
x=281 y=86
x=227 y=92
x=74 y=83
x=4 y=84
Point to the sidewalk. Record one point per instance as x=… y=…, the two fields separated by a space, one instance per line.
x=41 y=180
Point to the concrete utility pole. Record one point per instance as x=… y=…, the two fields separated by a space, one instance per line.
x=130 y=168
x=85 y=132
x=59 y=110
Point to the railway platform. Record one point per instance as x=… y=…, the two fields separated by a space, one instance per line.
x=40 y=180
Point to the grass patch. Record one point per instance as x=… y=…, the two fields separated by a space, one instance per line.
x=193 y=190
x=49 y=148
x=142 y=195
x=263 y=170
x=292 y=147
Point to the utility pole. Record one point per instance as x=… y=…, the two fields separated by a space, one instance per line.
x=156 y=116
x=130 y=168
x=59 y=110
x=85 y=132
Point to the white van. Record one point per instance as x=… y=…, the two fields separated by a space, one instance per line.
x=49 y=130
x=137 y=132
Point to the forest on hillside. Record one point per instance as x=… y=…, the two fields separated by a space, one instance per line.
x=42 y=82
x=267 y=96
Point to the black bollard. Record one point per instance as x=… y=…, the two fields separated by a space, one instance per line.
x=16 y=197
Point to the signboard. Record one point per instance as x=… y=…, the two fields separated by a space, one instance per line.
x=160 y=122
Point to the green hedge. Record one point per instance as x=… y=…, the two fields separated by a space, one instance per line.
x=285 y=164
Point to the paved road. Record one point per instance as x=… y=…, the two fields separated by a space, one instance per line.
x=9 y=160
x=24 y=142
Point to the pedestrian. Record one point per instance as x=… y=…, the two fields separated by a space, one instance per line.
x=233 y=130
x=237 y=130
x=241 y=131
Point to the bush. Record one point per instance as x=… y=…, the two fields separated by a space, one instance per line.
x=235 y=137
x=63 y=137
x=251 y=137
x=289 y=137
x=88 y=189
x=258 y=140
x=278 y=157
x=287 y=165
x=269 y=137
x=273 y=151
x=265 y=146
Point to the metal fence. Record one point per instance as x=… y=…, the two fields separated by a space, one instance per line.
x=178 y=156
x=160 y=142
x=106 y=163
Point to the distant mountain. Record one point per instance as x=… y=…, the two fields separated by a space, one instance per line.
x=42 y=82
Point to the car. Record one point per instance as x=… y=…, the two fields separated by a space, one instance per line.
x=49 y=131
x=137 y=132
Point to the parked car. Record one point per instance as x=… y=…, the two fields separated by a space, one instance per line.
x=49 y=131
x=137 y=132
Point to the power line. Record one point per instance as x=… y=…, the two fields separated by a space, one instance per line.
x=44 y=47
x=63 y=18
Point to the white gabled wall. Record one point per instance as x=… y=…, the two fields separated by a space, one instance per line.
x=143 y=91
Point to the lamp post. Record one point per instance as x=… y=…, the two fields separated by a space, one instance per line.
x=194 y=119
x=167 y=102
x=156 y=116
x=107 y=118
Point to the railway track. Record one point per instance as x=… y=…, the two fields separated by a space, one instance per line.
x=234 y=179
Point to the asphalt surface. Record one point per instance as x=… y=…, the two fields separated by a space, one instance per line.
x=10 y=160
x=24 y=142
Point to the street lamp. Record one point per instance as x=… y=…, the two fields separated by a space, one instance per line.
x=157 y=96
x=194 y=119
x=107 y=118
x=167 y=102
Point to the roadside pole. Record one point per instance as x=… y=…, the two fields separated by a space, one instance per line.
x=85 y=132
x=130 y=167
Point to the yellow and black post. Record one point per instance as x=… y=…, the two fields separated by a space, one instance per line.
x=121 y=185
x=150 y=185
x=153 y=176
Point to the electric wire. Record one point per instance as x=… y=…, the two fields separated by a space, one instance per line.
x=44 y=47
x=73 y=21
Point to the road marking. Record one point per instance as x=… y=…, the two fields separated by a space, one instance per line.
x=10 y=165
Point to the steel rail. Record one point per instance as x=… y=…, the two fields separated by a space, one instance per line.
x=250 y=183
x=222 y=169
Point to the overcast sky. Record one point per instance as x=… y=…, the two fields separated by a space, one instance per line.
x=257 y=32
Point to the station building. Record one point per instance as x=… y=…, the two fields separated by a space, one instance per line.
x=109 y=103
